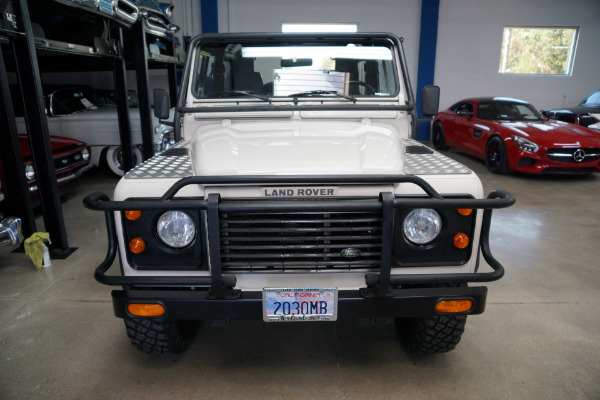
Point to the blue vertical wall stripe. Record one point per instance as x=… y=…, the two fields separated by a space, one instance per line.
x=430 y=11
x=210 y=16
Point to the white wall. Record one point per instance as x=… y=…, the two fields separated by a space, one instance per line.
x=469 y=41
x=401 y=17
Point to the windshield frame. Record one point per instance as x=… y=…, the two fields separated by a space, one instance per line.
x=95 y=101
x=390 y=41
x=406 y=104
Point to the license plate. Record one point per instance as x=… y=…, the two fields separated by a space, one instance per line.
x=287 y=305
x=106 y=6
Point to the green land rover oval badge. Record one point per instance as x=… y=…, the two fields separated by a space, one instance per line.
x=350 y=253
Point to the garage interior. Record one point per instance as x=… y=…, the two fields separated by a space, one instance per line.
x=538 y=337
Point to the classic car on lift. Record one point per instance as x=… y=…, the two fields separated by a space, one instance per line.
x=587 y=113
x=124 y=11
x=157 y=17
x=511 y=135
x=78 y=112
x=71 y=160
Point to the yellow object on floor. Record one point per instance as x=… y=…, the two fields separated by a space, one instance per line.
x=34 y=248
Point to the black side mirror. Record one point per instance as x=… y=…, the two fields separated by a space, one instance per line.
x=430 y=101
x=465 y=113
x=161 y=104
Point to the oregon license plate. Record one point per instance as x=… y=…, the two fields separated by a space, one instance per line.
x=286 y=304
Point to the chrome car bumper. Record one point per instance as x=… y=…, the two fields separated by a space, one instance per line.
x=10 y=232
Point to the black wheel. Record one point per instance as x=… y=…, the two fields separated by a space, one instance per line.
x=431 y=335
x=437 y=137
x=496 y=158
x=158 y=336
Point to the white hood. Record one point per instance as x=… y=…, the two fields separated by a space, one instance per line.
x=295 y=148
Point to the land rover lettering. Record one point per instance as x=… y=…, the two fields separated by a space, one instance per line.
x=299 y=192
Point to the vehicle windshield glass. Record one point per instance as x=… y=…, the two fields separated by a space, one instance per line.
x=593 y=100
x=71 y=100
x=508 y=111
x=357 y=68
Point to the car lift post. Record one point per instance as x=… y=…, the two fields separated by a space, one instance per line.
x=19 y=202
x=37 y=126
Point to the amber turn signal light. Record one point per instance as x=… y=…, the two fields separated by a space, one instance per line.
x=461 y=241
x=453 y=306
x=146 y=310
x=137 y=245
x=465 y=211
x=132 y=215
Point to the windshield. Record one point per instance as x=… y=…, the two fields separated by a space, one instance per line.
x=593 y=100
x=292 y=70
x=508 y=111
x=71 y=100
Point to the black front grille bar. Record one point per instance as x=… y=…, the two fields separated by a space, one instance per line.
x=378 y=284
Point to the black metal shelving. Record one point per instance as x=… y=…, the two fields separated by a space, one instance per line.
x=29 y=49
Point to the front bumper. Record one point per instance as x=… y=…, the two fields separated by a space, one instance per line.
x=384 y=294
x=10 y=232
x=200 y=305
x=540 y=163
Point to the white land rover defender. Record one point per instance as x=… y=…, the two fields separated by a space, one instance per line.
x=297 y=192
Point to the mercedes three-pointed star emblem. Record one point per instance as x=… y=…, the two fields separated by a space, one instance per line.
x=579 y=155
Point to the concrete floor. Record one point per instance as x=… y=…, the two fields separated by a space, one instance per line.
x=538 y=339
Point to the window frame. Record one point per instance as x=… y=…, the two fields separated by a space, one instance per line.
x=570 y=57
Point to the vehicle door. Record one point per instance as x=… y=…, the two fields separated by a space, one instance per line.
x=462 y=127
x=482 y=127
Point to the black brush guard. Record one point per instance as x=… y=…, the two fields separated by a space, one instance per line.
x=214 y=296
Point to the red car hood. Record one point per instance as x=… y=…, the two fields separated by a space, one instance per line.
x=56 y=142
x=553 y=133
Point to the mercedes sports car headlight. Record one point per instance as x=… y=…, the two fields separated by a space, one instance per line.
x=422 y=226
x=176 y=229
x=29 y=172
x=525 y=144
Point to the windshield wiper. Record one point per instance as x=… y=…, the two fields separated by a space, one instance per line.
x=242 y=93
x=315 y=93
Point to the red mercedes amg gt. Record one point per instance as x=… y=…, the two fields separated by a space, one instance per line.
x=511 y=135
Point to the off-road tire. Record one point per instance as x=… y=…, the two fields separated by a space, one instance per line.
x=431 y=335
x=158 y=336
x=496 y=157
x=437 y=137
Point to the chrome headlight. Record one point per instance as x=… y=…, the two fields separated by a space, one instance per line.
x=29 y=172
x=176 y=229
x=422 y=226
x=161 y=130
x=163 y=137
x=85 y=154
x=525 y=144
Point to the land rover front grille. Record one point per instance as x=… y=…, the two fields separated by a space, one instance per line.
x=300 y=241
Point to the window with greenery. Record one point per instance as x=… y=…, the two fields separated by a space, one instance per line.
x=538 y=51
